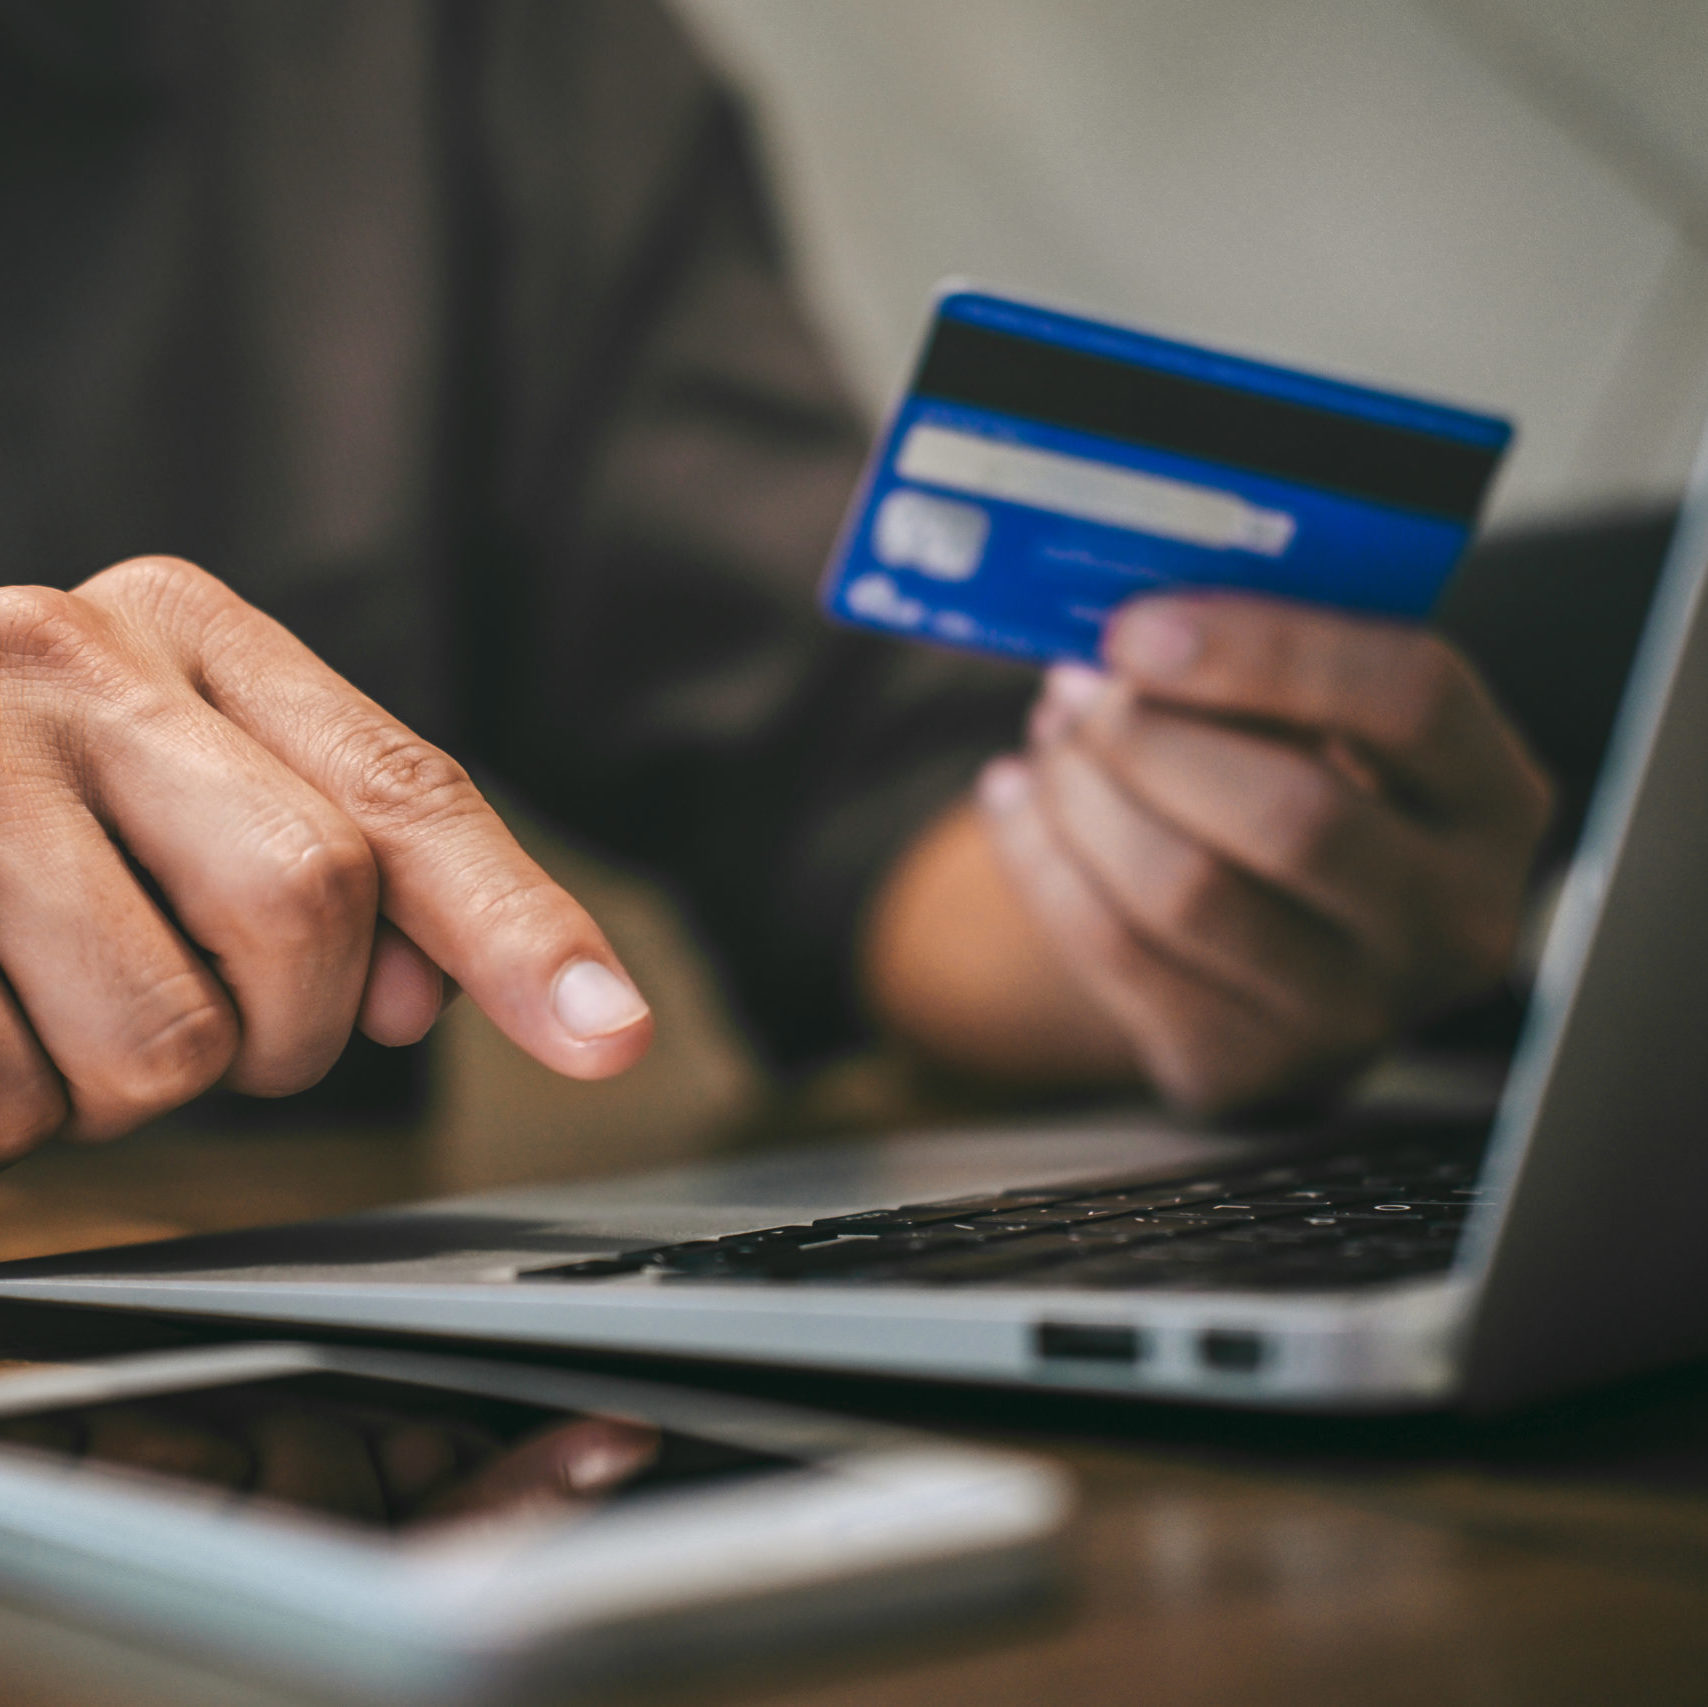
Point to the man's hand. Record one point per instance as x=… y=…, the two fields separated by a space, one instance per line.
x=1266 y=840
x=217 y=857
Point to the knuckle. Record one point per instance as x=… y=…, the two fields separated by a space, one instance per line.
x=1305 y=819
x=151 y=582
x=162 y=605
x=1276 y=648
x=399 y=777
x=318 y=884
x=183 y=1046
x=1193 y=892
x=284 y=1076
x=1424 y=690
x=42 y=629
x=1100 y=939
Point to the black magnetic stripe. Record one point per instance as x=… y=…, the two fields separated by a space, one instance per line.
x=1267 y=435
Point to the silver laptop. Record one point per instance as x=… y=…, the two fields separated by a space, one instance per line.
x=1389 y=1261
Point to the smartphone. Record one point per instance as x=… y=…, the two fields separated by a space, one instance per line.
x=386 y=1525
x=1043 y=467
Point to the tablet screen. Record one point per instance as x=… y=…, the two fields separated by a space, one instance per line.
x=382 y=1453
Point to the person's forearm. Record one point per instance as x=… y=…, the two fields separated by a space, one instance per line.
x=955 y=968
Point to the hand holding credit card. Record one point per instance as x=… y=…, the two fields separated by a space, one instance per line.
x=1270 y=833
x=1044 y=468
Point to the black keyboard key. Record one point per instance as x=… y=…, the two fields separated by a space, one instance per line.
x=849 y=1254
x=1128 y=1230
x=886 y=1220
x=1207 y=1215
x=1010 y=1256
x=771 y=1239
x=1169 y=1224
x=708 y=1258
x=856 y=1253
x=985 y=1202
x=1302 y=1271
x=1018 y=1221
x=1169 y=1196
x=799 y=1232
x=997 y=1260
x=1305 y=1196
x=908 y=1216
x=1367 y=1215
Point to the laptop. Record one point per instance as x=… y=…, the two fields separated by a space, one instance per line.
x=1405 y=1259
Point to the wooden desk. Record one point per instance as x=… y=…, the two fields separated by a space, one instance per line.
x=1556 y=1560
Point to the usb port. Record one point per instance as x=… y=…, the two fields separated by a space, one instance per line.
x=1232 y=1349
x=1096 y=1342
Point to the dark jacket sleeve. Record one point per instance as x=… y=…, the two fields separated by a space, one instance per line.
x=674 y=456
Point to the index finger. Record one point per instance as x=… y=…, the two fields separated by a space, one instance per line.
x=452 y=877
x=1401 y=694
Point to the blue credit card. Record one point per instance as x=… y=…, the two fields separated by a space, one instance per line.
x=1043 y=468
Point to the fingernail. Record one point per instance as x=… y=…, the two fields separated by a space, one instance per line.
x=1156 y=641
x=609 y=1462
x=1004 y=784
x=593 y=1001
x=1074 y=687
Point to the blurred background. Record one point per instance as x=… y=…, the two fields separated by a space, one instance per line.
x=1502 y=202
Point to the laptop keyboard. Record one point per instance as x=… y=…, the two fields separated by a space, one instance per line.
x=1353 y=1218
